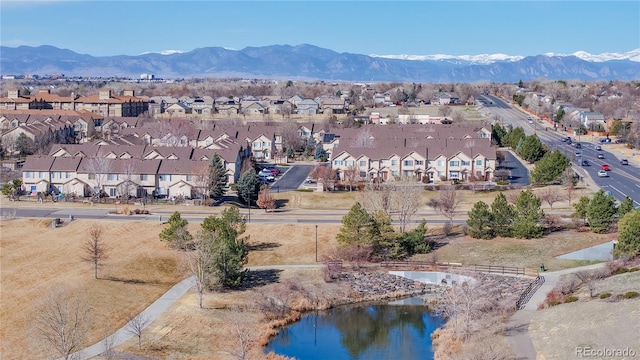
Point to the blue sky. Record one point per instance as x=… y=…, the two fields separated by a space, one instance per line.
x=102 y=28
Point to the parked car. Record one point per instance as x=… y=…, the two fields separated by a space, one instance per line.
x=265 y=172
x=605 y=167
x=267 y=177
x=620 y=141
x=602 y=173
x=624 y=162
x=605 y=140
x=600 y=156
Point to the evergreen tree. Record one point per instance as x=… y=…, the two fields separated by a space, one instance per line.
x=384 y=240
x=217 y=177
x=514 y=138
x=503 y=215
x=24 y=145
x=550 y=168
x=580 y=208
x=355 y=228
x=248 y=187
x=480 y=221
x=176 y=232
x=414 y=241
x=625 y=206
x=229 y=250
x=601 y=212
x=528 y=216
x=628 y=235
x=532 y=149
x=498 y=134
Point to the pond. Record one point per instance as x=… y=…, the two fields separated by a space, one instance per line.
x=378 y=331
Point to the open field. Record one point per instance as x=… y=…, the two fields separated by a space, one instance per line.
x=36 y=259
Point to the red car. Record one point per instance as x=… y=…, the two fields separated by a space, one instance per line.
x=605 y=167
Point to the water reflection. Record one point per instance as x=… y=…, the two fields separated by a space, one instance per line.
x=360 y=332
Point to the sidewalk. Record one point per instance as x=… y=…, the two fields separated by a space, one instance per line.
x=147 y=315
x=517 y=329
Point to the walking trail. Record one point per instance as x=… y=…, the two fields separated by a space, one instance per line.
x=517 y=330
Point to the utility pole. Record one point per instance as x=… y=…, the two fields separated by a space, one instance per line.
x=316 y=243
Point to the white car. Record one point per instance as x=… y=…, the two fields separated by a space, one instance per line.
x=602 y=173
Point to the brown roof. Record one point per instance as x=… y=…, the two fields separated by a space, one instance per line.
x=61 y=163
x=37 y=163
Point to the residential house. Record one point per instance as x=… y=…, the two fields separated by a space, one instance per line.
x=178 y=110
x=107 y=104
x=307 y=107
x=35 y=174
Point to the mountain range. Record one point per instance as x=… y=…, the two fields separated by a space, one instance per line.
x=308 y=62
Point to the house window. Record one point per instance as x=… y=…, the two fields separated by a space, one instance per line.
x=188 y=177
x=454 y=174
x=394 y=172
x=419 y=162
x=32 y=188
x=112 y=192
x=67 y=175
x=165 y=177
x=112 y=177
x=394 y=162
x=256 y=144
x=265 y=144
x=28 y=174
x=92 y=176
x=363 y=174
x=454 y=163
x=408 y=163
x=466 y=163
x=479 y=162
x=440 y=163
x=143 y=177
x=41 y=175
x=363 y=163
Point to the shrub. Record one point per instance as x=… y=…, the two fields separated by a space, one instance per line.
x=634 y=269
x=554 y=303
x=304 y=190
x=630 y=295
x=447 y=229
x=570 y=299
x=620 y=271
x=605 y=295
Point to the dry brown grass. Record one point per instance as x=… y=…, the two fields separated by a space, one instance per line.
x=35 y=259
x=519 y=252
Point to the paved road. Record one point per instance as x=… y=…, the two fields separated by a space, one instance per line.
x=622 y=181
x=292 y=178
x=519 y=172
x=517 y=329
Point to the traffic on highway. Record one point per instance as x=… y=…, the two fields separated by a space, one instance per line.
x=589 y=158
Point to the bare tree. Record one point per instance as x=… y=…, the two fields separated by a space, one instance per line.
x=364 y=139
x=136 y=325
x=62 y=322
x=201 y=175
x=244 y=336
x=98 y=167
x=198 y=262
x=128 y=184
x=434 y=203
x=444 y=111
x=449 y=201
x=551 y=196
x=324 y=174
x=94 y=249
x=173 y=132
x=351 y=176
x=378 y=196
x=406 y=199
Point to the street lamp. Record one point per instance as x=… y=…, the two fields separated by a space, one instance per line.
x=249 y=218
x=316 y=243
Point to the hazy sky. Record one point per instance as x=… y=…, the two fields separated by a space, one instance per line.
x=114 y=27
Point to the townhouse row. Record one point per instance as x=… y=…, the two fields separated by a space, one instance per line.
x=136 y=171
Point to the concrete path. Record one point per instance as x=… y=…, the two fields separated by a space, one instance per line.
x=517 y=329
x=148 y=315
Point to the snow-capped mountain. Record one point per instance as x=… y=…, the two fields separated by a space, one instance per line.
x=308 y=62
x=633 y=55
